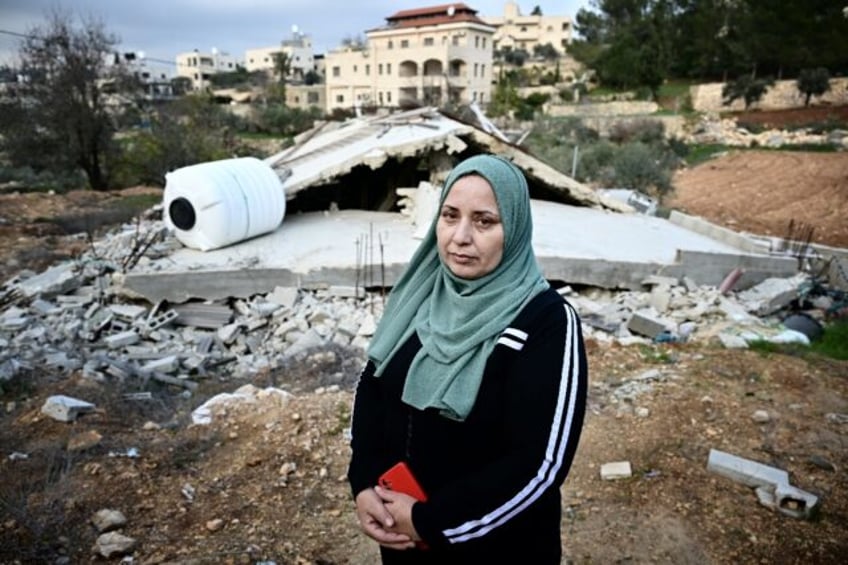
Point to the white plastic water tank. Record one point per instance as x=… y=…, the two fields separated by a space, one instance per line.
x=215 y=204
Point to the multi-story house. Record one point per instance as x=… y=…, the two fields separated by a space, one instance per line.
x=153 y=75
x=298 y=50
x=423 y=56
x=516 y=31
x=198 y=67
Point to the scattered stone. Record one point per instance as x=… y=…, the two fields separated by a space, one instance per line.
x=106 y=520
x=761 y=417
x=214 y=525
x=84 y=440
x=822 y=463
x=114 y=544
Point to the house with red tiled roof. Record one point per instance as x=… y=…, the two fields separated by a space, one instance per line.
x=424 y=56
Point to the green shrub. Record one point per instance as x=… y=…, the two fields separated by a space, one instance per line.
x=186 y=132
x=834 y=341
x=643 y=131
x=640 y=167
x=288 y=122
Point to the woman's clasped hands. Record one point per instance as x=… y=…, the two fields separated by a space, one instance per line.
x=386 y=517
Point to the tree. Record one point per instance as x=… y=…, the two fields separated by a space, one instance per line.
x=537 y=11
x=64 y=118
x=516 y=57
x=312 y=77
x=813 y=82
x=546 y=51
x=628 y=42
x=748 y=88
x=282 y=68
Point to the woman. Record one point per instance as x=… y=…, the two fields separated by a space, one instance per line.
x=476 y=379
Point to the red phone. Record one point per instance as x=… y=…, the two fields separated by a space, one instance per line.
x=400 y=479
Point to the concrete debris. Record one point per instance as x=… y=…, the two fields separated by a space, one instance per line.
x=248 y=394
x=771 y=295
x=771 y=484
x=65 y=408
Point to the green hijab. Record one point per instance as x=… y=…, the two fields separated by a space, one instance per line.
x=459 y=320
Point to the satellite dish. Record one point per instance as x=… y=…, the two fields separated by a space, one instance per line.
x=451 y=11
x=214 y=50
x=294 y=28
x=140 y=54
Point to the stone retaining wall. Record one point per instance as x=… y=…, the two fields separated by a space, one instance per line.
x=783 y=95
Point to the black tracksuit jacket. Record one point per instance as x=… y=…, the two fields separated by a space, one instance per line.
x=492 y=480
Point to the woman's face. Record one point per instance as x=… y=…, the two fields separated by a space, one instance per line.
x=469 y=232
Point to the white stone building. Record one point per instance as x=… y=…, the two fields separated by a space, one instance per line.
x=425 y=56
x=199 y=67
x=298 y=49
x=517 y=31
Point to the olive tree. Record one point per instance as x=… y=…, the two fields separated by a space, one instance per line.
x=62 y=118
x=813 y=82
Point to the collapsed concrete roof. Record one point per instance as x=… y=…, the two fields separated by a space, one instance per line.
x=325 y=154
x=344 y=184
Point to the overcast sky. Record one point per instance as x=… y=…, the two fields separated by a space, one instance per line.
x=163 y=28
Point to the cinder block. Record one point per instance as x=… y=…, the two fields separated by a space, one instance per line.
x=644 y=324
x=616 y=470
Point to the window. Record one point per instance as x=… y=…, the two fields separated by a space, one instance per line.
x=388 y=68
x=475 y=69
x=380 y=97
x=483 y=70
x=340 y=98
x=404 y=43
x=455 y=40
x=380 y=69
x=390 y=44
x=337 y=72
x=428 y=41
x=312 y=97
x=484 y=43
x=476 y=41
x=389 y=97
x=367 y=70
x=355 y=69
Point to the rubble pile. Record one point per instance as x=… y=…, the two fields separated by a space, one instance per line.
x=76 y=316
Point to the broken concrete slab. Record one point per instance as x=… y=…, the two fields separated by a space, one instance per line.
x=771 y=295
x=622 y=252
x=771 y=484
x=58 y=279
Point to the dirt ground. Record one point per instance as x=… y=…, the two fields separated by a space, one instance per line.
x=761 y=192
x=265 y=482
